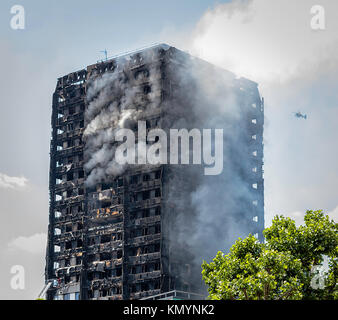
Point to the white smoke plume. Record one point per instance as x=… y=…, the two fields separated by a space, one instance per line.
x=274 y=44
x=268 y=41
x=221 y=206
x=116 y=101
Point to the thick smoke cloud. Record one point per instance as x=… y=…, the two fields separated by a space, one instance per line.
x=210 y=212
x=115 y=101
x=272 y=42
x=213 y=211
x=268 y=41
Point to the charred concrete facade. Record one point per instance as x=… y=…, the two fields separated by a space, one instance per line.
x=136 y=231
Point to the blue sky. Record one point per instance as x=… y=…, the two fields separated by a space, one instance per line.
x=80 y=29
x=64 y=36
x=59 y=37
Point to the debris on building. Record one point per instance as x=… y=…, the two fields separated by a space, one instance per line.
x=141 y=231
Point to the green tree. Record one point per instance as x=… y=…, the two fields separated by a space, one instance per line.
x=280 y=268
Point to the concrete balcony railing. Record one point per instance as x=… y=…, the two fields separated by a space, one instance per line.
x=144 y=239
x=144 y=276
x=143 y=294
x=144 y=258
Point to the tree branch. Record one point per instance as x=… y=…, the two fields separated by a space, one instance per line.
x=286 y=294
x=245 y=294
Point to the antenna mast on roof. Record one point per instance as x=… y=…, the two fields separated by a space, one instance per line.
x=105 y=54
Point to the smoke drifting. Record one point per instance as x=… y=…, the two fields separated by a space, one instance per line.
x=207 y=213
x=268 y=41
x=272 y=42
x=116 y=100
x=213 y=211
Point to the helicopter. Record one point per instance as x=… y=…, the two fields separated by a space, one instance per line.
x=300 y=115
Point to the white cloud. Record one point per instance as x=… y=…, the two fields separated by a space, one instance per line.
x=267 y=40
x=297 y=216
x=8 y=182
x=35 y=244
x=272 y=42
x=334 y=214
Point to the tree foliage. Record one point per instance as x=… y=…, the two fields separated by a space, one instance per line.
x=280 y=268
